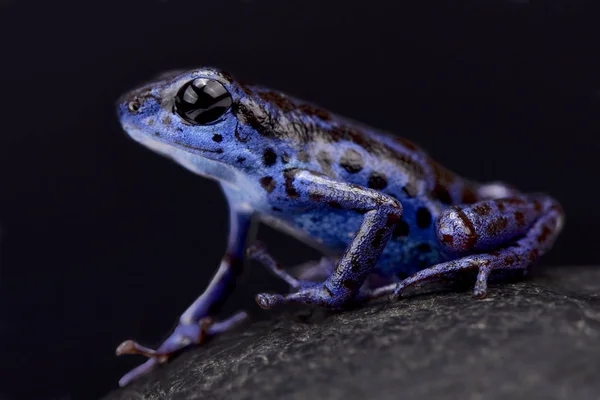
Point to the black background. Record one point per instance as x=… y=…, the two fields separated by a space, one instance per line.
x=104 y=240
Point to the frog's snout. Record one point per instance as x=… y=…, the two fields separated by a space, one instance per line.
x=137 y=102
x=128 y=104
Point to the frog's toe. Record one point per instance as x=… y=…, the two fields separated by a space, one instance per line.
x=266 y=300
x=138 y=371
x=395 y=295
x=183 y=336
x=132 y=347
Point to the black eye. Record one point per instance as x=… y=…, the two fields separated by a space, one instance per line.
x=202 y=101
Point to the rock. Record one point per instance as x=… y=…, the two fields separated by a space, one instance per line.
x=533 y=339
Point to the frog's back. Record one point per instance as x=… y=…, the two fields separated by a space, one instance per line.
x=351 y=152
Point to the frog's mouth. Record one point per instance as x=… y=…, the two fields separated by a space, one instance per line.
x=188 y=156
x=167 y=149
x=151 y=143
x=187 y=146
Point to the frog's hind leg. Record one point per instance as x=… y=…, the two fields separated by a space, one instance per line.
x=503 y=234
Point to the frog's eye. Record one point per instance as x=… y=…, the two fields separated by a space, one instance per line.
x=202 y=101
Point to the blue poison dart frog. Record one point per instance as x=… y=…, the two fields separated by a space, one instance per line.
x=386 y=216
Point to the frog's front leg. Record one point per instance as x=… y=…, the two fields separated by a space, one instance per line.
x=503 y=234
x=307 y=272
x=197 y=322
x=381 y=213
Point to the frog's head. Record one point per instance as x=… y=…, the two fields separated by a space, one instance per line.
x=188 y=116
x=206 y=120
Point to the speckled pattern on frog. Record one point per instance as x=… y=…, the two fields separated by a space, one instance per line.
x=385 y=214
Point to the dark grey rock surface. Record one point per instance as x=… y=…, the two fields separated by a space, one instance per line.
x=534 y=339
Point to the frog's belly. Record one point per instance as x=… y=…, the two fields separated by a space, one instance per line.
x=403 y=255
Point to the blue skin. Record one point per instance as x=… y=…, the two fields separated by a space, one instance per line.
x=386 y=215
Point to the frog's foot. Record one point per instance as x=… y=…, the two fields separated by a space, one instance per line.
x=449 y=271
x=184 y=335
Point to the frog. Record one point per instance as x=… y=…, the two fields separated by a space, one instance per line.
x=386 y=216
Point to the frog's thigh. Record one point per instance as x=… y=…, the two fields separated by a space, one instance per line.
x=491 y=228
